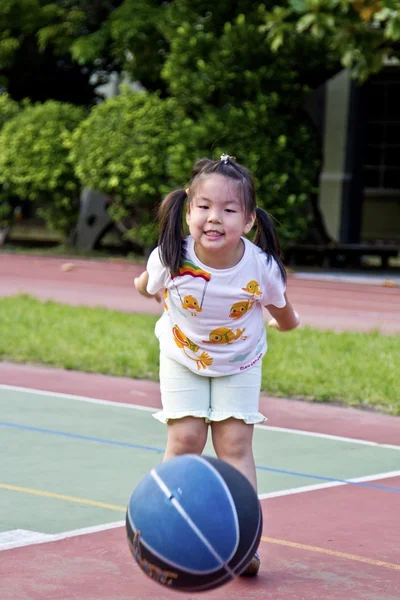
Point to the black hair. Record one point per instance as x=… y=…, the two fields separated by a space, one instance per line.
x=170 y=213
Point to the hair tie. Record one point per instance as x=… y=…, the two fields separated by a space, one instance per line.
x=225 y=157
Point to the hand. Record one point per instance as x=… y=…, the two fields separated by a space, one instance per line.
x=141 y=285
x=273 y=323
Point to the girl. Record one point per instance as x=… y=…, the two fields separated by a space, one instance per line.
x=212 y=334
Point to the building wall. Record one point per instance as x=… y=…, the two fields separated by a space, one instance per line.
x=360 y=179
x=332 y=176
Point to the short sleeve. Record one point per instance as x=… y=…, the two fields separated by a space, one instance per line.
x=158 y=274
x=273 y=285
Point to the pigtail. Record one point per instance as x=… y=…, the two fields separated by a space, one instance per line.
x=266 y=239
x=171 y=236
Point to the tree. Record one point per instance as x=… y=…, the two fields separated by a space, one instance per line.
x=31 y=69
x=239 y=70
x=34 y=161
x=123 y=149
x=361 y=35
x=8 y=110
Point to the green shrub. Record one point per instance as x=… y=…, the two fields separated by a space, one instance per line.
x=34 y=161
x=122 y=149
x=268 y=146
x=245 y=100
x=8 y=109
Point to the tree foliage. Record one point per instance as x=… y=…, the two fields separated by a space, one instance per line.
x=237 y=72
x=8 y=110
x=362 y=35
x=34 y=161
x=122 y=149
x=31 y=69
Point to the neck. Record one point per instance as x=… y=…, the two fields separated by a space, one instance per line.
x=220 y=261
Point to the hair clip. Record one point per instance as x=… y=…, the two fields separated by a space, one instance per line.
x=225 y=157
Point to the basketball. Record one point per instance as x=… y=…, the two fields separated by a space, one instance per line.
x=193 y=523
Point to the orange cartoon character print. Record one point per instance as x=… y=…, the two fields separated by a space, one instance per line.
x=192 y=305
x=224 y=335
x=253 y=288
x=191 y=350
x=165 y=294
x=239 y=309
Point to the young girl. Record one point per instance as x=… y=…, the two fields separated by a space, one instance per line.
x=212 y=334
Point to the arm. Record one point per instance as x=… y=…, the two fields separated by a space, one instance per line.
x=283 y=319
x=141 y=286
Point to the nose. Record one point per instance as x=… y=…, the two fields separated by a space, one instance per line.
x=214 y=216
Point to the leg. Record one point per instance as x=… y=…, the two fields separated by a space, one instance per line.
x=234 y=411
x=186 y=436
x=233 y=440
x=185 y=398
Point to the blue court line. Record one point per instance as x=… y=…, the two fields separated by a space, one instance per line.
x=77 y=436
x=87 y=438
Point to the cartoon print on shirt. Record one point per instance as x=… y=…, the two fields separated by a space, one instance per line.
x=191 y=305
x=190 y=349
x=253 y=288
x=224 y=335
x=189 y=268
x=240 y=308
x=240 y=357
x=165 y=294
x=260 y=345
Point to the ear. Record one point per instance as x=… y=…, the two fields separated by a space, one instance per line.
x=249 y=225
x=188 y=215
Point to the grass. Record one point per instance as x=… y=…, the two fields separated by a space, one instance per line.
x=357 y=369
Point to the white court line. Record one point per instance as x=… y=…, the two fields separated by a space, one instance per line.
x=152 y=409
x=328 y=436
x=329 y=484
x=47 y=538
x=14 y=388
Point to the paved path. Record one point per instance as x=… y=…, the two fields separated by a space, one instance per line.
x=324 y=304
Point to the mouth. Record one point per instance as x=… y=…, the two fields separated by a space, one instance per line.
x=213 y=234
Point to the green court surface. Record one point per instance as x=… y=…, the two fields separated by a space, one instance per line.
x=67 y=463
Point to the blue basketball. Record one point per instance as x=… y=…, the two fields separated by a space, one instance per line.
x=193 y=523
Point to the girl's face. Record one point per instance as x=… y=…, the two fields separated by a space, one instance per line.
x=217 y=220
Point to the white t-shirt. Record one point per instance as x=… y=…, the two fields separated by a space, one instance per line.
x=213 y=320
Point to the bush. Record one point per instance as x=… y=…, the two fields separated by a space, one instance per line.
x=122 y=150
x=245 y=100
x=8 y=109
x=281 y=154
x=34 y=161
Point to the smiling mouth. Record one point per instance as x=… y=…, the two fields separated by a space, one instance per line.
x=213 y=234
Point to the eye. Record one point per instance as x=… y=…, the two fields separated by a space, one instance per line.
x=230 y=210
x=202 y=206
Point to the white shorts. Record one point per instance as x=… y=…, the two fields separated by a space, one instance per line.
x=186 y=394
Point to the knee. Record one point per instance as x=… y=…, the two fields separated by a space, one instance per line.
x=186 y=441
x=233 y=448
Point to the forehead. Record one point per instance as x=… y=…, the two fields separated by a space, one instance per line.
x=217 y=188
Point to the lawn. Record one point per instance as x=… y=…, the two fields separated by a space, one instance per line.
x=357 y=369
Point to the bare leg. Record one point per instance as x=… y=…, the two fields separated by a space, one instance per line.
x=185 y=436
x=233 y=443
